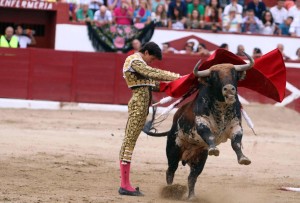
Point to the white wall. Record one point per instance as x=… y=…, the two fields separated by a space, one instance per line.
x=72 y=38
x=265 y=43
x=75 y=38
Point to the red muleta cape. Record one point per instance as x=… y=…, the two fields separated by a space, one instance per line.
x=267 y=77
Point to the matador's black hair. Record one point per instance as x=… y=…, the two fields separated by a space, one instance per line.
x=153 y=49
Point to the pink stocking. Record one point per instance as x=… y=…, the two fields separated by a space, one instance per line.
x=125 y=172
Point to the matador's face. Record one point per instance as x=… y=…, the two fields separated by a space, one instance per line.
x=148 y=58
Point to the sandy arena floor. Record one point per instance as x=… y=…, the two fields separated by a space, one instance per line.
x=72 y=156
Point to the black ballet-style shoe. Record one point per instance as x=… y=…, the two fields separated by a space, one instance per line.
x=137 y=192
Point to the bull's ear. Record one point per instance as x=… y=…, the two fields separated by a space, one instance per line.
x=241 y=75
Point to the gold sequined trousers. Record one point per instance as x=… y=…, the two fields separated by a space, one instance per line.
x=138 y=107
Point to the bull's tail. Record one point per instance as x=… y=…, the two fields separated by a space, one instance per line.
x=149 y=126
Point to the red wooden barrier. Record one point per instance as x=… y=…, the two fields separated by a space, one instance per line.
x=42 y=74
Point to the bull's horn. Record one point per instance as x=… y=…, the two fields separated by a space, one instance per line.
x=202 y=73
x=245 y=66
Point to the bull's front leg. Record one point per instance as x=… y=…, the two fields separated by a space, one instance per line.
x=206 y=134
x=236 y=143
x=196 y=169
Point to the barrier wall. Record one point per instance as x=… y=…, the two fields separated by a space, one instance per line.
x=41 y=74
x=60 y=76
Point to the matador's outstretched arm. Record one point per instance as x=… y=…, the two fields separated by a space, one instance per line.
x=153 y=73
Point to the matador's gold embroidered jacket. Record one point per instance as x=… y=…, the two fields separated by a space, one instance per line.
x=137 y=73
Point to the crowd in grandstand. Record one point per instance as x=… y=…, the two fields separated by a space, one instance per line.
x=237 y=16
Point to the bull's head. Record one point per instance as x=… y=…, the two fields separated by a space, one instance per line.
x=223 y=78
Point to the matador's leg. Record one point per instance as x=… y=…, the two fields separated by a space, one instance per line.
x=138 y=111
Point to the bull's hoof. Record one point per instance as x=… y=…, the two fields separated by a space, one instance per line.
x=213 y=151
x=192 y=198
x=244 y=161
x=169 y=177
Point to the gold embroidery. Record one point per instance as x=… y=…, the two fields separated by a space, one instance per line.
x=137 y=113
x=137 y=73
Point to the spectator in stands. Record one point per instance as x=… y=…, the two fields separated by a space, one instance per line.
x=256 y=53
x=136 y=46
x=168 y=49
x=232 y=22
x=279 y=13
x=176 y=21
x=295 y=28
x=112 y=4
x=123 y=15
x=224 y=3
x=294 y=11
x=288 y=4
x=94 y=5
x=135 y=4
x=213 y=22
x=195 y=6
x=72 y=10
x=202 y=51
x=234 y=3
x=193 y=21
x=213 y=16
x=251 y=24
x=194 y=43
x=84 y=14
x=212 y=7
x=156 y=3
x=142 y=14
x=224 y=46
x=160 y=16
x=25 y=37
x=258 y=7
x=8 y=40
x=240 y=50
x=280 y=47
x=268 y=25
x=165 y=47
x=103 y=16
x=283 y=28
x=298 y=54
x=180 y=6
x=188 y=49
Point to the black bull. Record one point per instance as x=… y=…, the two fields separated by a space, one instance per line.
x=210 y=119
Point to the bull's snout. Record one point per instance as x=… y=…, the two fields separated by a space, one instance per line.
x=229 y=89
x=229 y=92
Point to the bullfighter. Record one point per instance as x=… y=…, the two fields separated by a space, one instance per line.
x=142 y=80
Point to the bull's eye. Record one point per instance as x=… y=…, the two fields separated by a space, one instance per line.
x=225 y=88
